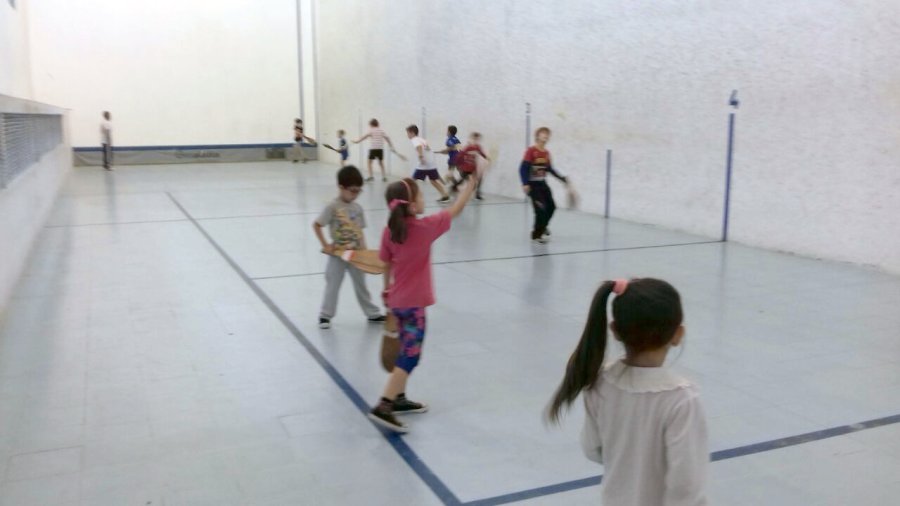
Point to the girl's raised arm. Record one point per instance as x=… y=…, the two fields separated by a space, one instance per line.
x=463 y=198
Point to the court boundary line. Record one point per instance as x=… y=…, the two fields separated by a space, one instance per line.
x=519 y=257
x=404 y=451
x=421 y=469
x=727 y=454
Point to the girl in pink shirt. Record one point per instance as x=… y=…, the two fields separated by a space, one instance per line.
x=406 y=249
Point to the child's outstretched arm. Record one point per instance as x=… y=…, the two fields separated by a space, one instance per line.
x=463 y=198
x=557 y=175
x=364 y=137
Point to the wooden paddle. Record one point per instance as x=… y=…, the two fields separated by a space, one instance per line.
x=365 y=260
x=390 y=343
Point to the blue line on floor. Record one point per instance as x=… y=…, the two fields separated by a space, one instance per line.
x=404 y=450
x=519 y=257
x=731 y=453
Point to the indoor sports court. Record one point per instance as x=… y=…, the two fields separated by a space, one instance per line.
x=175 y=323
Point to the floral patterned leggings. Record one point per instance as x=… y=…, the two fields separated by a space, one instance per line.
x=411 y=330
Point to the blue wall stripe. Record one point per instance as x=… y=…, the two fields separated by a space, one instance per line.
x=86 y=149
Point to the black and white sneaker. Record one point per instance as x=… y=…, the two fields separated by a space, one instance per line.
x=547 y=232
x=324 y=323
x=478 y=196
x=378 y=319
x=402 y=406
x=444 y=200
x=540 y=240
x=383 y=416
x=370 y=179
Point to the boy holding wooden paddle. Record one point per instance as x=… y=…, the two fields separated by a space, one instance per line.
x=345 y=220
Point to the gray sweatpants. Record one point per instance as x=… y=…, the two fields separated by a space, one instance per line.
x=334 y=276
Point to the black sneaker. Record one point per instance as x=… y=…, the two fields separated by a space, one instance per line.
x=370 y=179
x=324 y=323
x=383 y=417
x=402 y=406
x=478 y=196
x=444 y=200
x=378 y=319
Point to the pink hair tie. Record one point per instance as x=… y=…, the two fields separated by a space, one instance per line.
x=396 y=202
x=620 y=286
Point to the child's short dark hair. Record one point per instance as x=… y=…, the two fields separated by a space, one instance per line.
x=341 y=132
x=373 y=122
x=542 y=130
x=413 y=128
x=349 y=176
x=451 y=129
x=475 y=135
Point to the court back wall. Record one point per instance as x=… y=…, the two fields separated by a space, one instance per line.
x=818 y=141
x=172 y=72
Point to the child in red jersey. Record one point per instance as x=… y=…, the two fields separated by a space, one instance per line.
x=467 y=162
x=533 y=172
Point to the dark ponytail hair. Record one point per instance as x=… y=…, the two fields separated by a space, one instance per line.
x=408 y=191
x=646 y=317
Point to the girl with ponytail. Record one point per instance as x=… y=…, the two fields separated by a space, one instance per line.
x=644 y=423
x=406 y=249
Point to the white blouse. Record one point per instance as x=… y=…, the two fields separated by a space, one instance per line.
x=647 y=427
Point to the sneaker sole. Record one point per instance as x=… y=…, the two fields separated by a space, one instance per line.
x=424 y=409
x=402 y=429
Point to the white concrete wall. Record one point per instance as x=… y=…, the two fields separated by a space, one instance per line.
x=15 y=71
x=27 y=200
x=818 y=132
x=173 y=72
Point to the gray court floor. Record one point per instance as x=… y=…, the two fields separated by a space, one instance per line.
x=162 y=349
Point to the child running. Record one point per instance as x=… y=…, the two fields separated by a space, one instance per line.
x=468 y=163
x=644 y=423
x=406 y=249
x=424 y=164
x=345 y=221
x=452 y=151
x=533 y=172
x=298 y=140
x=343 y=148
x=377 y=138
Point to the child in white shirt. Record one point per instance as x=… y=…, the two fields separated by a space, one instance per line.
x=644 y=423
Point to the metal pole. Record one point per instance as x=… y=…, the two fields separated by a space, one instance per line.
x=300 y=57
x=728 y=178
x=315 y=47
x=608 y=182
x=527 y=124
x=733 y=102
x=359 y=133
